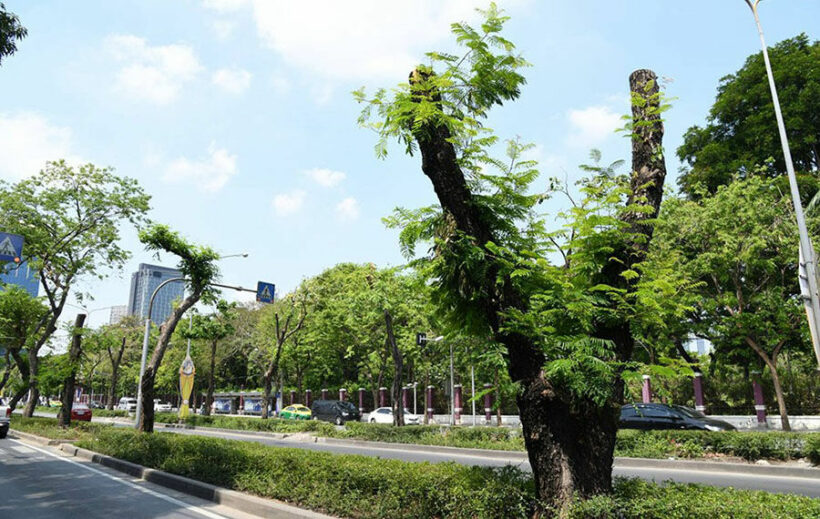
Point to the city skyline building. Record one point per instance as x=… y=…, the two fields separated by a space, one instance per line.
x=143 y=283
x=117 y=313
x=22 y=276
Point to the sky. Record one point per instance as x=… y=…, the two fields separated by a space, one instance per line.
x=236 y=115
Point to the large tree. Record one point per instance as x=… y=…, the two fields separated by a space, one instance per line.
x=71 y=219
x=11 y=31
x=20 y=314
x=198 y=266
x=567 y=329
x=740 y=244
x=741 y=132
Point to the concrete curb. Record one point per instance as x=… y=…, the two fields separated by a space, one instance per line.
x=230 y=498
x=38 y=439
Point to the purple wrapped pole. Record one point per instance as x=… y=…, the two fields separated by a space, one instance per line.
x=308 y=400
x=646 y=390
x=697 y=382
x=488 y=402
x=324 y=394
x=457 y=403
x=382 y=397
x=430 y=403
x=760 y=403
x=361 y=400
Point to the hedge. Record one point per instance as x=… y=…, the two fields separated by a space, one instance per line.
x=363 y=487
x=49 y=428
x=250 y=424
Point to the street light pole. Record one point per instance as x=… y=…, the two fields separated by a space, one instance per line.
x=806 y=249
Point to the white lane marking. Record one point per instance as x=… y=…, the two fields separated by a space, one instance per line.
x=177 y=502
x=21 y=449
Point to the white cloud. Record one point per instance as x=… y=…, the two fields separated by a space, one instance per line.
x=27 y=141
x=280 y=84
x=233 y=80
x=288 y=203
x=325 y=177
x=223 y=28
x=208 y=174
x=224 y=6
x=348 y=209
x=367 y=39
x=592 y=125
x=152 y=73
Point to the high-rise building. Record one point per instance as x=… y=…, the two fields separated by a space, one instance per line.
x=117 y=313
x=21 y=275
x=143 y=283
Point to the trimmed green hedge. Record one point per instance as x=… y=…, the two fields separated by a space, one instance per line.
x=751 y=446
x=363 y=487
x=105 y=413
x=49 y=428
x=350 y=486
x=638 y=499
x=813 y=448
x=251 y=424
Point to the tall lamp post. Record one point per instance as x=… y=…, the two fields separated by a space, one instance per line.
x=807 y=253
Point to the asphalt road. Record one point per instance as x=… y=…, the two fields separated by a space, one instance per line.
x=43 y=483
x=805 y=486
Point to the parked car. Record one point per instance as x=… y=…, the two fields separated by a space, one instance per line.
x=5 y=419
x=385 y=415
x=161 y=407
x=127 y=403
x=296 y=412
x=80 y=411
x=96 y=405
x=335 y=411
x=663 y=416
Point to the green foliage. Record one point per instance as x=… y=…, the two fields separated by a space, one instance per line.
x=813 y=449
x=197 y=263
x=49 y=428
x=637 y=499
x=741 y=138
x=274 y=425
x=11 y=31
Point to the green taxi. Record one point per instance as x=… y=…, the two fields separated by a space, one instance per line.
x=296 y=412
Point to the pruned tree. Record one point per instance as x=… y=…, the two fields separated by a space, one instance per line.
x=566 y=330
x=70 y=369
x=71 y=219
x=395 y=390
x=20 y=314
x=198 y=266
x=283 y=320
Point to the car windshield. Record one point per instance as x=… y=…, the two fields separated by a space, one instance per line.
x=686 y=411
x=347 y=406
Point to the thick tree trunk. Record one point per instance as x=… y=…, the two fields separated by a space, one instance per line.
x=166 y=331
x=266 y=395
x=781 y=401
x=33 y=390
x=116 y=360
x=395 y=392
x=7 y=372
x=67 y=396
x=498 y=420
x=569 y=441
x=209 y=398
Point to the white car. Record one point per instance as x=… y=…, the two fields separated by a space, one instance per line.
x=161 y=407
x=385 y=415
x=127 y=403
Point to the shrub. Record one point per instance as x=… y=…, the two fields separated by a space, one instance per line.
x=106 y=413
x=49 y=428
x=637 y=499
x=813 y=448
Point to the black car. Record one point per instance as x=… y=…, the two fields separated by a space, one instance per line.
x=663 y=416
x=335 y=411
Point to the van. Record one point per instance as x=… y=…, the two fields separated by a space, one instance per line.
x=127 y=403
x=335 y=411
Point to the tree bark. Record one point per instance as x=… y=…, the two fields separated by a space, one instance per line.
x=570 y=441
x=166 y=331
x=115 y=374
x=7 y=372
x=74 y=353
x=498 y=420
x=781 y=401
x=397 y=403
x=33 y=391
x=209 y=398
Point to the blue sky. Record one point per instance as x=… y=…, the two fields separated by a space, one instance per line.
x=236 y=115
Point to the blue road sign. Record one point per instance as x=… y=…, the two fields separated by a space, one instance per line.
x=265 y=292
x=11 y=247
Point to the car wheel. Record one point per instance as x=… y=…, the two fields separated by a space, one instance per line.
x=372 y=420
x=3 y=433
x=339 y=420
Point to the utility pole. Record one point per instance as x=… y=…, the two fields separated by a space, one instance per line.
x=806 y=250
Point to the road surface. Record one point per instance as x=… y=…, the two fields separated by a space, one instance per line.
x=43 y=483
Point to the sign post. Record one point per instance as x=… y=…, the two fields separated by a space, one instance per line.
x=11 y=247
x=265 y=292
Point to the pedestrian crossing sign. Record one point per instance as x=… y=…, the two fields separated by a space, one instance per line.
x=265 y=292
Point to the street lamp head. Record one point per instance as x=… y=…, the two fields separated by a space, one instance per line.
x=240 y=255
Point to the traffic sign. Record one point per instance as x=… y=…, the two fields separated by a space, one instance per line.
x=11 y=247
x=421 y=338
x=265 y=292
